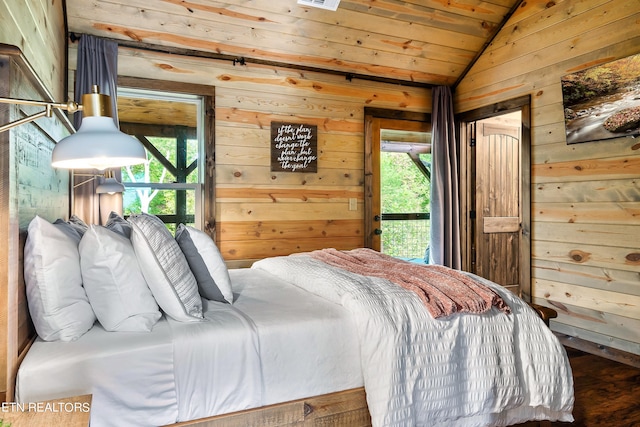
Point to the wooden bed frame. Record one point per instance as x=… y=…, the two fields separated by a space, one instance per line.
x=18 y=80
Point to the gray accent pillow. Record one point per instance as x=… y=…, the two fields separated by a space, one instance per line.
x=206 y=264
x=70 y=230
x=78 y=224
x=118 y=224
x=165 y=268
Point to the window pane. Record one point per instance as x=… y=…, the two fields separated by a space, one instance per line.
x=167 y=125
x=163 y=203
x=404 y=188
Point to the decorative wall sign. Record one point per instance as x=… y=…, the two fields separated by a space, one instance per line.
x=602 y=102
x=294 y=147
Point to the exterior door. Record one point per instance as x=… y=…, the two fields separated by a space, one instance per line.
x=405 y=128
x=497 y=201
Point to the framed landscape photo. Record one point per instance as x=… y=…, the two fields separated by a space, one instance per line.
x=602 y=102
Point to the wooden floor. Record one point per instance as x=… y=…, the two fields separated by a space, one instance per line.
x=607 y=393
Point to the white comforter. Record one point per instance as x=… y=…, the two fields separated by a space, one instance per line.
x=464 y=370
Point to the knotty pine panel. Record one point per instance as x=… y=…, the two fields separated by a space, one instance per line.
x=533 y=17
x=592 y=255
x=324 y=95
x=290 y=194
x=236 y=117
x=594 y=299
x=561 y=152
x=549 y=115
x=261 y=175
x=303 y=229
x=552 y=135
x=611 y=279
x=585 y=197
x=612 y=235
x=306 y=211
x=549 y=49
x=316 y=87
x=624 y=190
x=588 y=213
x=525 y=36
x=37 y=28
x=257 y=81
x=495 y=86
x=588 y=170
x=292 y=104
x=246 y=249
x=261 y=156
x=434 y=45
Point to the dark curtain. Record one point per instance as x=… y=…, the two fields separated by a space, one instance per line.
x=445 y=207
x=97 y=65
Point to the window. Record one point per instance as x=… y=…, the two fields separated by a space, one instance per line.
x=169 y=183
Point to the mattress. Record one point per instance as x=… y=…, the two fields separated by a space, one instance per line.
x=276 y=343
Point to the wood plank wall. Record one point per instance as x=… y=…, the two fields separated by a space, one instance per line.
x=585 y=197
x=37 y=28
x=28 y=183
x=260 y=213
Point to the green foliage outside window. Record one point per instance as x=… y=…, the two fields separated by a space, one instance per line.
x=159 y=201
x=404 y=189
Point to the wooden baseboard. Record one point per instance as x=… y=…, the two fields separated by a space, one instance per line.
x=599 y=350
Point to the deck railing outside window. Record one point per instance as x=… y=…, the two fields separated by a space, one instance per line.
x=405 y=235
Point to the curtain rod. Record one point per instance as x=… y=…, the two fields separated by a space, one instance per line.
x=242 y=60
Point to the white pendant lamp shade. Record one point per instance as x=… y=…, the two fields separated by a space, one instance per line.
x=110 y=184
x=98 y=144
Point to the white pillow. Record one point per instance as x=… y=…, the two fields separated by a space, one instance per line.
x=114 y=283
x=165 y=268
x=206 y=264
x=58 y=304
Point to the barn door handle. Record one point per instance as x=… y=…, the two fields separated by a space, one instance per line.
x=377 y=232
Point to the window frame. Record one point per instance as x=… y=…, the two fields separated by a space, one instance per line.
x=205 y=194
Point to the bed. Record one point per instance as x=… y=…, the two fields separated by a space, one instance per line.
x=263 y=349
x=298 y=327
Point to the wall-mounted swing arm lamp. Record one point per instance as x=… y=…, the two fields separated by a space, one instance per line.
x=98 y=144
x=109 y=184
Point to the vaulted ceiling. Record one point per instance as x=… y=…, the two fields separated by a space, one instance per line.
x=421 y=42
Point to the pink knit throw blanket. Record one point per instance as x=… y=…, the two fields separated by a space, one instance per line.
x=444 y=291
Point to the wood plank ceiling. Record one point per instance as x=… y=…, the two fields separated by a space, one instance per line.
x=416 y=42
